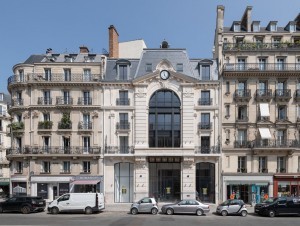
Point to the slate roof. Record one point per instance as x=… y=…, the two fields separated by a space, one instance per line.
x=262 y=30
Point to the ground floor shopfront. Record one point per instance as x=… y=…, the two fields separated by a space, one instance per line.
x=167 y=178
x=286 y=185
x=250 y=188
x=4 y=187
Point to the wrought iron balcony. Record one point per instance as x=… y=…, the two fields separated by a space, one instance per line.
x=242 y=95
x=263 y=170
x=241 y=170
x=283 y=95
x=123 y=101
x=84 y=100
x=284 y=143
x=242 y=144
x=119 y=150
x=253 y=46
x=263 y=95
x=64 y=100
x=243 y=118
x=280 y=170
x=45 y=125
x=205 y=101
x=17 y=126
x=17 y=102
x=204 y=125
x=123 y=125
x=54 y=150
x=207 y=150
x=297 y=95
x=263 y=118
x=44 y=101
x=282 y=118
x=258 y=67
x=85 y=125
x=63 y=125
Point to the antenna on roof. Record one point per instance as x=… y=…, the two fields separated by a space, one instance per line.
x=104 y=51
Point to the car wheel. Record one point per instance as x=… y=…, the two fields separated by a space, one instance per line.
x=244 y=213
x=154 y=211
x=88 y=210
x=170 y=211
x=224 y=213
x=134 y=211
x=54 y=210
x=271 y=213
x=25 y=210
x=199 y=212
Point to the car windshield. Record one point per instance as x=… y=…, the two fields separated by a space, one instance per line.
x=269 y=200
x=226 y=203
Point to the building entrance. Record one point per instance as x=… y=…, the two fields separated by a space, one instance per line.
x=164 y=183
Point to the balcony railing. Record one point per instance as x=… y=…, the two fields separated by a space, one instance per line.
x=63 y=125
x=119 y=150
x=263 y=95
x=243 y=118
x=207 y=150
x=85 y=125
x=123 y=101
x=205 y=101
x=297 y=95
x=45 y=125
x=283 y=94
x=204 y=125
x=242 y=95
x=123 y=126
x=284 y=143
x=85 y=101
x=64 y=100
x=15 y=126
x=242 y=144
x=263 y=118
x=260 y=46
x=261 y=67
x=281 y=170
x=60 y=77
x=242 y=170
x=263 y=170
x=17 y=102
x=73 y=150
x=44 y=101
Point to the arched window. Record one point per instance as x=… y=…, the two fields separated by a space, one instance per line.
x=164 y=119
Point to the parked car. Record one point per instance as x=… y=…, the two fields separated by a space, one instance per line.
x=258 y=206
x=23 y=204
x=279 y=206
x=145 y=205
x=189 y=206
x=233 y=207
x=77 y=202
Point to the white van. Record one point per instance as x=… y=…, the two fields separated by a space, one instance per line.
x=77 y=202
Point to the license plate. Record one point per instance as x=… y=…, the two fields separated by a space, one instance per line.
x=41 y=203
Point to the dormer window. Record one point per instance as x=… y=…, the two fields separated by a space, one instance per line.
x=272 y=26
x=179 y=67
x=256 y=26
x=89 y=58
x=292 y=27
x=123 y=69
x=237 y=27
x=148 y=67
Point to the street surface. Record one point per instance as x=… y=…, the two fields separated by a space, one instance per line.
x=125 y=219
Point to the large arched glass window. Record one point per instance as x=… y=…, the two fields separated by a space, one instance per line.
x=164 y=119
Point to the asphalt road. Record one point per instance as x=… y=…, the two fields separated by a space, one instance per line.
x=126 y=219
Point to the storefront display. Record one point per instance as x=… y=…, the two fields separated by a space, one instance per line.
x=286 y=185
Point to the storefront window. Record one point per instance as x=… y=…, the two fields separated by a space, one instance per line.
x=19 y=188
x=42 y=190
x=205 y=181
x=284 y=189
x=124 y=182
x=63 y=188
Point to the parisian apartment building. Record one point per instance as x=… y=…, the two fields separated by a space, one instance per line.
x=259 y=72
x=132 y=123
x=4 y=144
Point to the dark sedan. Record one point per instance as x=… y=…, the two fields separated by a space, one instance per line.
x=186 y=206
x=24 y=205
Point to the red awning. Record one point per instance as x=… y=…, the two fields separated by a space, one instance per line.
x=85 y=182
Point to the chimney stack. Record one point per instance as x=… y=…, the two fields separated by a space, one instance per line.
x=84 y=49
x=113 y=42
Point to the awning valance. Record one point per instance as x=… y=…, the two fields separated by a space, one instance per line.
x=264 y=109
x=265 y=133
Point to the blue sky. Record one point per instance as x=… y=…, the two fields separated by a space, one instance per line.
x=31 y=26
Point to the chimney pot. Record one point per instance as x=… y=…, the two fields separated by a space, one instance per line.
x=113 y=42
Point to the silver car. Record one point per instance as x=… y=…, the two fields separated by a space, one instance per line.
x=188 y=206
x=232 y=206
x=145 y=205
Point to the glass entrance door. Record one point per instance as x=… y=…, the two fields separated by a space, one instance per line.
x=165 y=181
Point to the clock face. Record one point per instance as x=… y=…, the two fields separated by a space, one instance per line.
x=164 y=74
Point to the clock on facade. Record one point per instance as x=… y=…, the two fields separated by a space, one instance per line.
x=164 y=74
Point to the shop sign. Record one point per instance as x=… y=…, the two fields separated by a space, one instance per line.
x=4 y=179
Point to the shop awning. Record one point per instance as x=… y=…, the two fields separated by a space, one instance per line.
x=264 y=109
x=85 y=182
x=265 y=133
x=4 y=183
